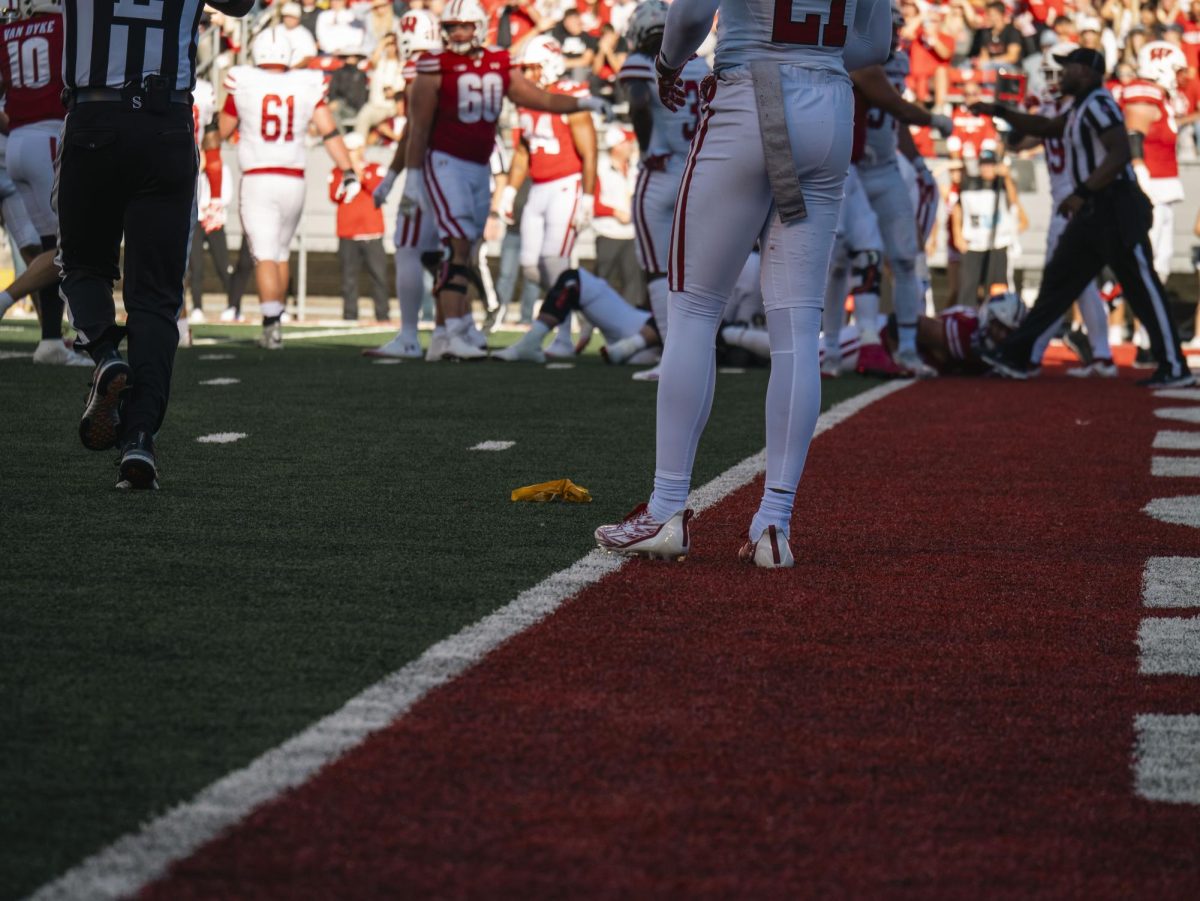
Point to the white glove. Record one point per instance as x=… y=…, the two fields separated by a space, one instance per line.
x=585 y=211
x=943 y=125
x=1142 y=171
x=214 y=216
x=597 y=105
x=380 y=195
x=349 y=188
x=508 y=199
x=414 y=194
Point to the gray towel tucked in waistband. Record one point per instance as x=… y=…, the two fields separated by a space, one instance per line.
x=777 y=146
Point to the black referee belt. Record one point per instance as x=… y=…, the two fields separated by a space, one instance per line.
x=76 y=96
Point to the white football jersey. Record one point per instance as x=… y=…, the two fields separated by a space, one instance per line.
x=814 y=33
x=204 y=105
x=671 y=132
x=273 y=110
x=881 y=127
x=1061 y=183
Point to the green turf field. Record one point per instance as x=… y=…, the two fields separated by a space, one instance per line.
x=151 y=642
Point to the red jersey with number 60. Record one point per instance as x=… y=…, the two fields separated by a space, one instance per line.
x=31 y=53
x=469 y=101
x=552 y=151
x=273 y=109
x=671 y=131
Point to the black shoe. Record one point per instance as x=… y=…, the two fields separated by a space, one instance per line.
x=1163 y=378
x=102 y=416
x=1143 y=359
x=1005 y=366
x=1079 y=344
x=139 y=466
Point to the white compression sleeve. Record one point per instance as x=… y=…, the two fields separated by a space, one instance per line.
x=870 y=40
x=410 y=287
x=688 y=24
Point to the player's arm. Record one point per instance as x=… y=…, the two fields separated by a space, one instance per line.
x=870 y=40
x=583 y=134
x=327 y=128
x=688 y=24
x=1139 y=119
x=227 y=124
x=1014 y=201
x=1025 y=123
x=517 y=171
x=422 y=107
x=956 y=225
x=640 y=96
x=235 y=8
x=873 y=83
x=524 y=92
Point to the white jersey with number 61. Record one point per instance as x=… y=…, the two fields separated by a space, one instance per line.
x=273 y=110
x=808 y=32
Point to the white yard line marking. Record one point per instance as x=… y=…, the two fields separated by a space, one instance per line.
x=1179 y=414
x=339 y=332
x=492 y=445
x=1171 y=582
x=216 y=357
x=731 y=370
x=1175 y=467
x=222 y=437
x=15 y=354
x=137 y=859
x=1179 y=393
x=1169 y=440
x=387 y=362
x=221 y=381
x=1180 y=511
x=560 y=365
x=1169 y=646
x=204 y=342
x=1166 y=758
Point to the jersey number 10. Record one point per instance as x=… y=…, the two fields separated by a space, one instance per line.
x=808 y=32
x=272 y=121
x=30 y=63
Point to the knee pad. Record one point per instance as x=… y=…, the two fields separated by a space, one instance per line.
x=448 y=271
x=563 y=296
x=432 y=261
x=864 y=271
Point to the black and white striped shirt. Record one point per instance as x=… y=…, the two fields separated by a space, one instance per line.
x=1087 y=119
x=112 y=43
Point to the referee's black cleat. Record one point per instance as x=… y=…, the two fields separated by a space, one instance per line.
x=1005 y=366
x=1163 y=378
x=138 y=466
x=102 y=416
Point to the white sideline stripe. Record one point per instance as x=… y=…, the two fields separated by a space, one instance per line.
x=492 y=445
x=1179 y=393
x=560 y=365
x=222 y=437
x=1180 y=414
x=338 y=332
x=1166 y=758
x=1179 y=511
x=221 y=381
x=1177 y=467
x=1171 y=582
x=1170 y=440
x=1169 y=646
x=134 y=861
x=215 y=357
x=387 y=362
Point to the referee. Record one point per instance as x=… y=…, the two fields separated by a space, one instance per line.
x=128 y=167
x=1109 y=224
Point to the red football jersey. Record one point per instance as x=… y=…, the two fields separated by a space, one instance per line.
x=961 y=326
x=31 y=53
x=472 y=93
x=552 y=152
x=1159 y=146
x=970 y=133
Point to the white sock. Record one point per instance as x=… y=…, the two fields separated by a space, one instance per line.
x=685 y=392
x=271 y=308
x=537 y=332
x=439 y=332
x=866 y=315
x=657 y=290
x=563 y=337
x=793 y=404
x=1095 y=320
x=458 y=325
x=410 y=288
x=908 y=338
x=754 y=340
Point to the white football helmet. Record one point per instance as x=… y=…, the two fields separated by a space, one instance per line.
x=27 y=9
x=419 y=31
x=546 y=53
x=272 y=48
x=1052 y=68
x=1006 y=308
x=1160 y=62
x=648 y=19
x=469 y=12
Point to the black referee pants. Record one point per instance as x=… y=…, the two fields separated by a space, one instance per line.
x=1111 y=230
x=131 y=173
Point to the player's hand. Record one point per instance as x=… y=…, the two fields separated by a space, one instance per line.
x=1072 y=205
x=349 y=188
x=414 y=194
x=984 y=109
x=597 y=105
x=670 y=85
x=380 y=195
x=585 y=211
x=943 y=125
x=508 y=199
x=214 y=216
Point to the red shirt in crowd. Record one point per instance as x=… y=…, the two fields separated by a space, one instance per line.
x=359 y=219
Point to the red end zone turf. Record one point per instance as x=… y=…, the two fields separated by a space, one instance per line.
x=939 y=699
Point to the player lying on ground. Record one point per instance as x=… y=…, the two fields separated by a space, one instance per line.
x=631 y=333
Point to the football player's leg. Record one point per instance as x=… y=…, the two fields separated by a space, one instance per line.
x=456 y=190
x=1095 y=319
x=897 y=224
x=34 y=180
x=834 y=312
x=723 y=206
x=1148 y=300
x=864 y=249
x=1162 y=239
x=654 y=208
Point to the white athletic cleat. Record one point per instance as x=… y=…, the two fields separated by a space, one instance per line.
x=230 y=314
x=648 y=375
x=476 y=337
x=771 y=551
x=637 y=535
x=402 y=347
x=521 y=352
x=910 y=361
x=831 y=367
x=439 y=346
x=185 y=332
x=1103 y=369
x=460 y=348
x=560 y=350
x=621 y=350
x=53 y=352
x=196 y=317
